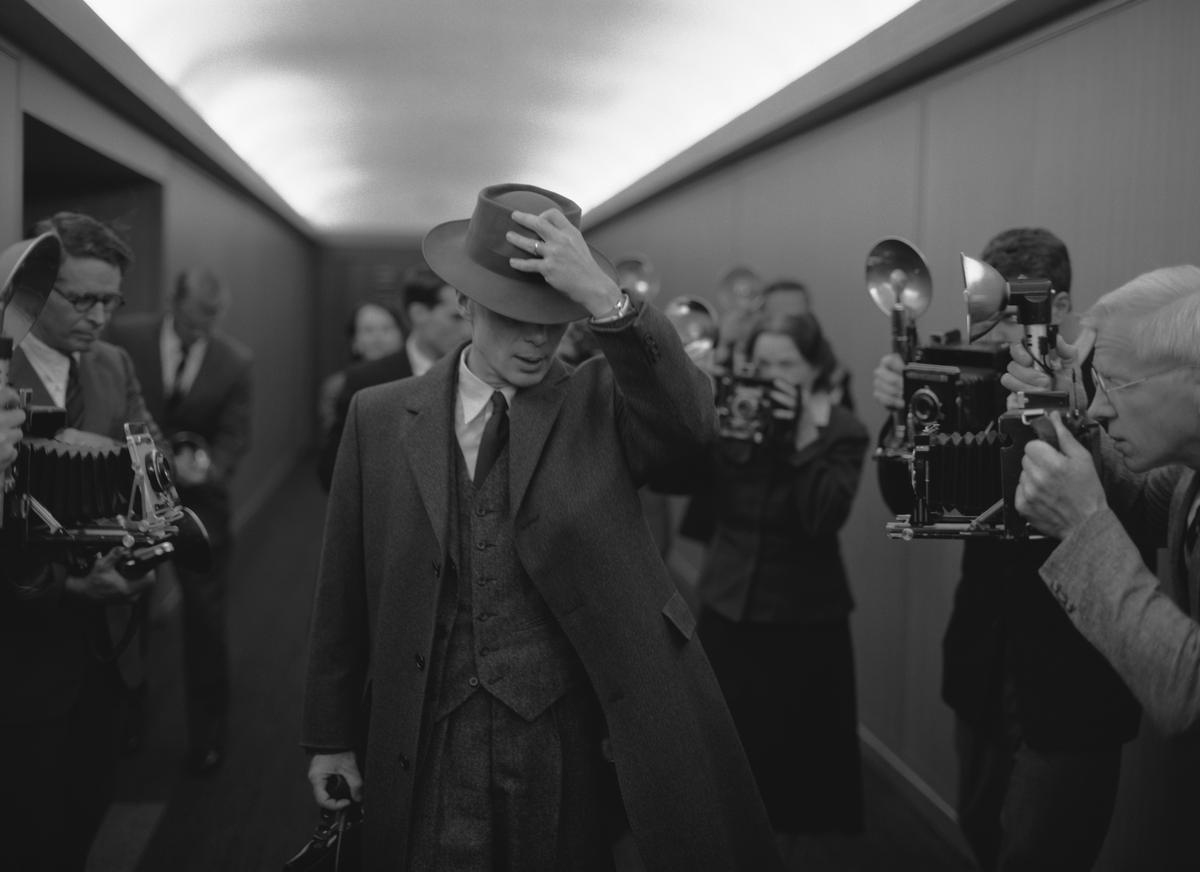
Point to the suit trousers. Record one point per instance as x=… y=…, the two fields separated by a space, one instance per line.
x=60 y=776
x=497 y=793
x=1027 y=810
x=206 y=650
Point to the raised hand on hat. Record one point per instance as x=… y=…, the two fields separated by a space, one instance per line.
x=559 y=253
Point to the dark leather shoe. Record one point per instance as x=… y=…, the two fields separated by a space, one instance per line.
x=204 y=761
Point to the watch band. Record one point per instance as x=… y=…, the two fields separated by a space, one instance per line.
x=623 y=307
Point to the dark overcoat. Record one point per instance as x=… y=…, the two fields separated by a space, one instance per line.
x=581 y=443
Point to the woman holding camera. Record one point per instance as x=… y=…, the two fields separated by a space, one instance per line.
x=775 y=600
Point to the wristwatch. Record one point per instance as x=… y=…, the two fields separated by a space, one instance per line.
x=620 y=309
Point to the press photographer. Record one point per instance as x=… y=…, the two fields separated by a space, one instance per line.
x=775 y=598
x=1141 y=345
x=1040 y=718
x=61 y=675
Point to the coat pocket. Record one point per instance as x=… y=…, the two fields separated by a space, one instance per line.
x=677 y=612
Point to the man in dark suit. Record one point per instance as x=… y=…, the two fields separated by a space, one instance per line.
x=197 y=383
x=62 y=678
x=488 y=607
x=437 y=328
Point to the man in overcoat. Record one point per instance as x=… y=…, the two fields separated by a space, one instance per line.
x=491 y=604
x=197 y=381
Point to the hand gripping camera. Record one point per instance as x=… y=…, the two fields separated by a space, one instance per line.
x=962 y=448
x=69 y=502
x=746 y=411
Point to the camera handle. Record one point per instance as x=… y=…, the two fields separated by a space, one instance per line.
x=904 y=343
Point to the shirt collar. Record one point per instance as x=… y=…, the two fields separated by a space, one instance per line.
x=474 y=392
x=36 y=349
x=417 y=359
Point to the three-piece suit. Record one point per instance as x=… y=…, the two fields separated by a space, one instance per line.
x=581 y=443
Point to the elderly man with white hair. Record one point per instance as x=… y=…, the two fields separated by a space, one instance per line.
x=1144 y=343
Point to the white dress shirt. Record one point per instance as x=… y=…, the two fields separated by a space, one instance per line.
x=171 y=350
x=51 y=365
x=472 y=410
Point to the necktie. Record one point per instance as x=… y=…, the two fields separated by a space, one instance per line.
x=74 y=396
x=495 y=434
x=177 y=383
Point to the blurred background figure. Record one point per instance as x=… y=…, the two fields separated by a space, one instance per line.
x=740 y=302
x=375 y=330
x=774 y=596
x=197 y=383
x=786 y=297
x=437 y=328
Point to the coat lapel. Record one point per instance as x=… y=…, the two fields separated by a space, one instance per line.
x=428 y=439
x=533 y=415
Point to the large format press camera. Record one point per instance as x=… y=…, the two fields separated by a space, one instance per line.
x=962 y=448
x=71 y=500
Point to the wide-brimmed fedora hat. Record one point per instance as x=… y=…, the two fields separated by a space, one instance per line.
x=472 y=256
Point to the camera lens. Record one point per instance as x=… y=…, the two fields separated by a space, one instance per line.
x=925 y=406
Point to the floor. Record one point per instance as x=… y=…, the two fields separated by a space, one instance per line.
x=257 y=810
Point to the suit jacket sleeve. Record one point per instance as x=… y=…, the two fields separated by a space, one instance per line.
x=135 y=406
x=1115 y=601
x=663 y=402
x=232 y=435
x=339 y=640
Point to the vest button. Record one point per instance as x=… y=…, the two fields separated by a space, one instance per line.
x=483 y=617
x=420 y=661
x=403 y=762
x=480 y=511
x=473 y=681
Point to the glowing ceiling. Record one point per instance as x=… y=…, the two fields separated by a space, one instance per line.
x=387 y=116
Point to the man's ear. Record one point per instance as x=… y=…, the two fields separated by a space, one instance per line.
x=464 y=305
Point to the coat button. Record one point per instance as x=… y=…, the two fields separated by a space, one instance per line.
x=480 y=511
x=403 y=762
x=420 y=661
x=483 y=618
x=437 y=569
x=481 y=545
x=473 y=681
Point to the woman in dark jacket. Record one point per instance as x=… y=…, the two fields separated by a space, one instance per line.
x=775 y=600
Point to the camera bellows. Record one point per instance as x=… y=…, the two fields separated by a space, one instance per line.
x=964 y=471
x=77 y=483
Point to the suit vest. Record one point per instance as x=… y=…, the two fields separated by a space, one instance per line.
x=500 y=635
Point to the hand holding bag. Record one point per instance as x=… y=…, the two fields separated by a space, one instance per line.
x=336 y=845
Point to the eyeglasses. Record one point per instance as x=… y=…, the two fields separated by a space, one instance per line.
x=85 y=302
x=1111 y=388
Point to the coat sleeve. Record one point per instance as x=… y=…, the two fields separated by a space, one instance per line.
x=663 y=402
x=339 y=642
x=827 y=474
x=1115 y=601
